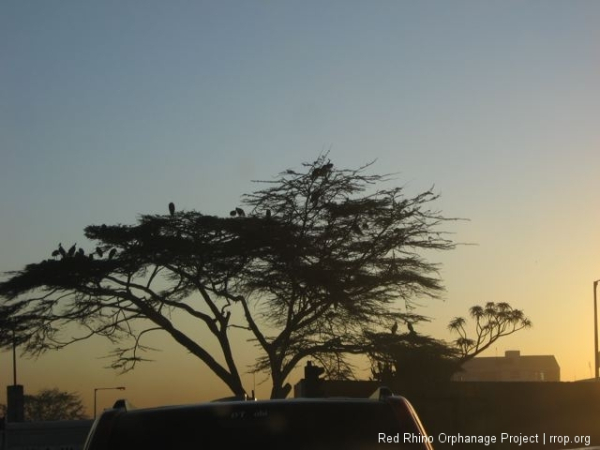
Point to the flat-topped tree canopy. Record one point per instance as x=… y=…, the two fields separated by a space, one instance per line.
x=315 y=259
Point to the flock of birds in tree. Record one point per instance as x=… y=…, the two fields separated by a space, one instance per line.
x=411 y=330
x=73 y=252
x=317 y=172
x=237 y=212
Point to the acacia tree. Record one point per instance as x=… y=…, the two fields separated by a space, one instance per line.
x=412 y=360
x=323 y=256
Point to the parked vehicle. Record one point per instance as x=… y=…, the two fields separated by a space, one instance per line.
x=382 y=421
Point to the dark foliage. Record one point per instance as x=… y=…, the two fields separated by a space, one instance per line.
x=412 y=361
x=421 y=362
x=52 y=404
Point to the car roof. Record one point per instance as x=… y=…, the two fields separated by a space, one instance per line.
x=380 y=394
x=298 y=423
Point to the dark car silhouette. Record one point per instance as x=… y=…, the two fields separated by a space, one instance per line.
x=383 y=421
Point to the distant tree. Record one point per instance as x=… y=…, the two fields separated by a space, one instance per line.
x=51 y=404
x=318 y=258
x=416 y=360
x=491 y=322
x=412 y=360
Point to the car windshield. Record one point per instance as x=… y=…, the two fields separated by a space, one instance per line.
x=305 y=426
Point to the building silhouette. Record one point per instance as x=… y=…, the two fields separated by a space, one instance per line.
x=511 y=367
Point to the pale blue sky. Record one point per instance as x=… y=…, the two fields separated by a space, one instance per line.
x=111 y=109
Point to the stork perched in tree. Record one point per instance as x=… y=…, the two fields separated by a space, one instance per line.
x=112 y=253
x=394 y=328
x=314 y=197
x=240 y=212
x=316 y=173
x=172 y=209
x=411 y=330
x=356 y=228
x=72 y=250
x=61 y=250
x=322 y=171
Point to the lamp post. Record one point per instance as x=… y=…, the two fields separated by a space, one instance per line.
x=120 y=388
x=595 y=332
x=14 y=347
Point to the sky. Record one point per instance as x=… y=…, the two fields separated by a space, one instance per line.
x=113 y=109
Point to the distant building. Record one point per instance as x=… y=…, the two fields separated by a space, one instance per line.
x=510 y=367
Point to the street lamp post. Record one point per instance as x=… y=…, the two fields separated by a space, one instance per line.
x=14 y=346
x=595 y=332
x=120 y=388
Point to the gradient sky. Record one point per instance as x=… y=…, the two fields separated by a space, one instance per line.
x=112 y=109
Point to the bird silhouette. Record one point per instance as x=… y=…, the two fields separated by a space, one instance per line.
x=322 y=171
x=268 y=213
x=72 y=250
x=172 y=209
x=61 y=250
x=394 y=328
x=356 y=228
x=411 y=330
x=232 y=213
x=314 y=197
x=112 y=253
x=99 y=252
x=240 y=212
x=316 y=173
x=80 y=252
x=55 y=253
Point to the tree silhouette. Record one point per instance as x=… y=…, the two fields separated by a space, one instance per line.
x=52 y=404
x=492 y=321
x=412 y=361
x=320 y=257
x=421 y=361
